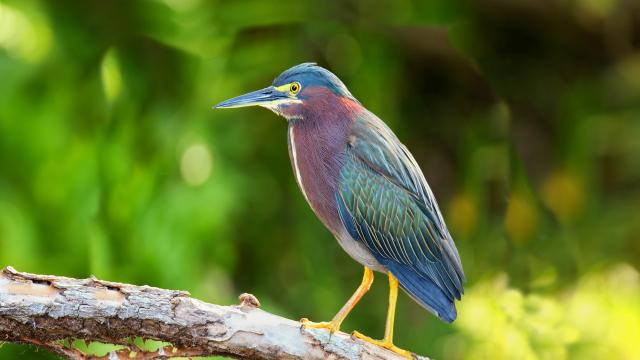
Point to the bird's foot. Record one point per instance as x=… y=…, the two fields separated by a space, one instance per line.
x=387 y=344
x=329 y=325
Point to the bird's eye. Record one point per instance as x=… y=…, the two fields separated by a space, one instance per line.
x=294 y=87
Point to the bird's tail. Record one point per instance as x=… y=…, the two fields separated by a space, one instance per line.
x=424 y=292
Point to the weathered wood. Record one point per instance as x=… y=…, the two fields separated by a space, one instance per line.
x=43 y=309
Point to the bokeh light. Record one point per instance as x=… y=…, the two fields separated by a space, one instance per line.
x=111 y=76
x=24 y=35
x=195 y=164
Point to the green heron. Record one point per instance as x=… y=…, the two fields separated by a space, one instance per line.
x=368 y=190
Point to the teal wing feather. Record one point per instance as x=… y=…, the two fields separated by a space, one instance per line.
x=385 y=202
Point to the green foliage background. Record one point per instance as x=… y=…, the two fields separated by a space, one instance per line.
x=524 y=115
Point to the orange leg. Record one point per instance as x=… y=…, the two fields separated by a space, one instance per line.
x=387 y=342
x=334 y=324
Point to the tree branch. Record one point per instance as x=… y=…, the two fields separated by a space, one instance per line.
x=43 y=310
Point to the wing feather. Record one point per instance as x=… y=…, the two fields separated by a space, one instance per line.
x=385 y=202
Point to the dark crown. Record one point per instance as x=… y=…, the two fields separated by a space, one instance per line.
x=310 y=74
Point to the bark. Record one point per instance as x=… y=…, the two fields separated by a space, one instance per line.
x=44 y=310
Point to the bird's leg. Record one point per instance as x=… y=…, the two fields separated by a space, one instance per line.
x=387 y=342
x=334 y=324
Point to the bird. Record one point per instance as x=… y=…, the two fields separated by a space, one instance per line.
x=368 y=190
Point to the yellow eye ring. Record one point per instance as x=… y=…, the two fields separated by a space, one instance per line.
x=294 y=88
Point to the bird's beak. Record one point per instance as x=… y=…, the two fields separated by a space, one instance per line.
x=267 y=97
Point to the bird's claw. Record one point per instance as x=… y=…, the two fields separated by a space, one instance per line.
x=384 y=344
x=329 y=325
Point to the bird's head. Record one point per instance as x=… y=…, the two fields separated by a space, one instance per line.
x=301 y=88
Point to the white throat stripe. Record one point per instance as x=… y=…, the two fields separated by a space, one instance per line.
x=296 y=168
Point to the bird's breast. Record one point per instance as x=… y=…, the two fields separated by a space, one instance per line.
x=316 y=155
x=293 y=155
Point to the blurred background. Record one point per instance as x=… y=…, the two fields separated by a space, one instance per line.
x=524 y=116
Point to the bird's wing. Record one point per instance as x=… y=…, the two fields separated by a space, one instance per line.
x=385 y=202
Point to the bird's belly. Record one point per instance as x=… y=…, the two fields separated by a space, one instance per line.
x=358 y=251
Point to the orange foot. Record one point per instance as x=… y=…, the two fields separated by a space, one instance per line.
x=329 y=325
x=387 y=344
